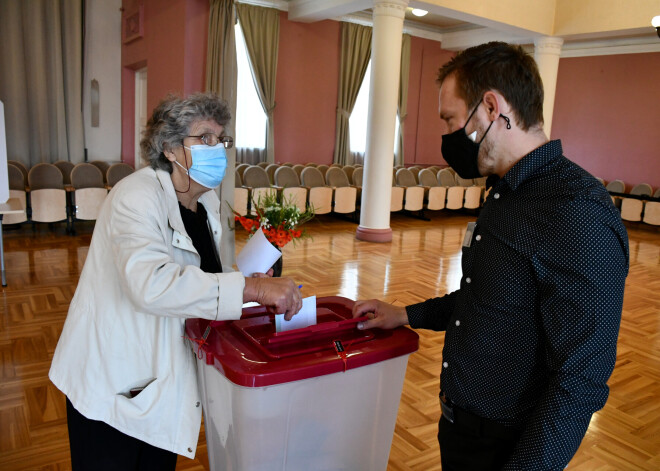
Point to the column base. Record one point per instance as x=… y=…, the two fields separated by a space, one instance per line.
x=373 y=235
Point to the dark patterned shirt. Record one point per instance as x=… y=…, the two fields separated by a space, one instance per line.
x=531 y=334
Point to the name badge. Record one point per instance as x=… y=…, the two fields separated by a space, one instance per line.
x=469 y=232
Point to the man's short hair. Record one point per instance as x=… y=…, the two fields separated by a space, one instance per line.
x=502 y=67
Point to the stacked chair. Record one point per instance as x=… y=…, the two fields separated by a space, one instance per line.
x=270 y=170
x=413 y=199
x=455 y=193
x=47 y=195
x=631 y=208
x=241 y=195
x=320 y=195
x=287 y=179
x=344 y=195
x=652 y=210
x=89 y=192
x=616 y=186
x=23 y=169
x=116 y=172
x=103 y=166
x=396 y=196
x=256 y=180
x=298 y=168
x=472 y=193
x=65 y=167
x=434 y=194
x=17 y=185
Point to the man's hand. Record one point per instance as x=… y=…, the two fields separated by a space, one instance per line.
x=380 y=315
x=281 y=295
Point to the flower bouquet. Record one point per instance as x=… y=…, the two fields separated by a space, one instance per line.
x=279 y=220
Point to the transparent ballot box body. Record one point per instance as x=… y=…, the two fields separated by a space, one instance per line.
x=293 y=400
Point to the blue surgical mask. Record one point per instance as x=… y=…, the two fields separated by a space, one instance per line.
x=208 y=164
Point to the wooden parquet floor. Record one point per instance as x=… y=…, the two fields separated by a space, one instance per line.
x=422 y=261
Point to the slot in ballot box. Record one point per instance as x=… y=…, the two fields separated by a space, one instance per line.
x=324 y=397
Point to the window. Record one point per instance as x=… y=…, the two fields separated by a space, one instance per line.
x=358 y=121
x=250 y=116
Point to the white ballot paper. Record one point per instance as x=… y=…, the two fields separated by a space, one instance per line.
x=258 y=255
x=305 y=317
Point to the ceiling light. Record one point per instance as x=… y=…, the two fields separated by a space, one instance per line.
x=656 y=24
x=418 y=12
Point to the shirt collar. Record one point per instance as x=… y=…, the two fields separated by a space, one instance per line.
x=533 y=161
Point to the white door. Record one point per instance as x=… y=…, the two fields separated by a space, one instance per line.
x=140 y=112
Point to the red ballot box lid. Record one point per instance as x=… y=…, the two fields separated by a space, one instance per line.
x=249 y=352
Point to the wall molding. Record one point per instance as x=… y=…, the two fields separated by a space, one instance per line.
x=462 y=38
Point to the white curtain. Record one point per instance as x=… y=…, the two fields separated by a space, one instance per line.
x=41 y=79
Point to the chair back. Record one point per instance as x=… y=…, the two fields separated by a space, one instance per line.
x=404 y=177
x=415 y=172
x=298 y=168
x=238 y=181
x=464 y=181
x=357 y=177
x=427 y=178
x=312 y=177
x=286 y=177
x=270 y=170
x=16 y=179
x=21 y=167
x=642 y=189
x=348 y=170
x=65 y=167
x=657 y=193
x=336 y=177
x=45 y=176
x=263 y=165
x=616 y=186
x=86 y=176
x=256 y=177
x=103 y=166
x=323 y=169
x=311 y=164
x=241 y=168
x=118 y=171
x=446 y=178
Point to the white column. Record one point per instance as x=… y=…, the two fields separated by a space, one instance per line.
x=379 y=157
x=546 y=54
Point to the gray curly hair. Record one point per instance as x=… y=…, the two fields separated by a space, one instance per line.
x=171 y=121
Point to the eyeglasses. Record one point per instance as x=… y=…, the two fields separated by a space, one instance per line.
x=212 y=140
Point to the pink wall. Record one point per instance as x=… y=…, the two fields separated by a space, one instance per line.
x=605 y=110
x=423 y=128
x=606 y=114
x=306 y=91
x=173 y=48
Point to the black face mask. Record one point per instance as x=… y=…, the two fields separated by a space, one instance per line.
x=461 y=152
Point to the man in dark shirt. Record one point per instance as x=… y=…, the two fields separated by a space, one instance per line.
x=531 y=333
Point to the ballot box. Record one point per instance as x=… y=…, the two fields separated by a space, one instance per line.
x=324 y=397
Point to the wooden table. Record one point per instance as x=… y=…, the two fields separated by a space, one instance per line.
x=12 y=206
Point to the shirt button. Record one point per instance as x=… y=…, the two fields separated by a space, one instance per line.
x=177 y=241
x=189 y=450
x=468 y=280
x=478 y=237
x=197 y=404
x=458 y=323
x=496 y=196
x=445 y=364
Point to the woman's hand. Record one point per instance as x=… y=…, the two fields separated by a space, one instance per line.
x=380 y=315
x=279 y=294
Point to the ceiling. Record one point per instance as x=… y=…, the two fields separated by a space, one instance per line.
x=471 y=22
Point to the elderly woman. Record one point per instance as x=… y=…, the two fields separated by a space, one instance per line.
x=122 y=362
